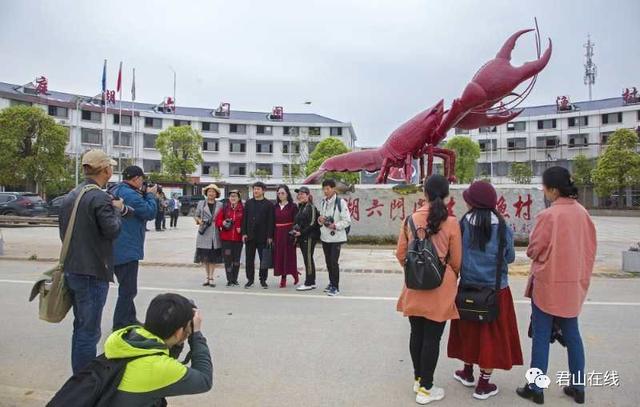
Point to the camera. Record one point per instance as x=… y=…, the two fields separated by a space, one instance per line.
x=328 y=221
x=146 y=185
x=227 y=224
x=292 y=232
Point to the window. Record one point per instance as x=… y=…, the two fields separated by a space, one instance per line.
x=122 y=164
x=458 y=130
x=485 y=145
x=293 y=149
x=604 y=137
x=336 y=131
x=578 y=121
x=212 y=127
x=266 y=130
x=578 y=140
x=19 y=103
x=544 y=143
x=314 y=131
x=517 y=126
x=210 y=144
x=612 y=118
x=210 y=168
x=126 y=119
x=264 y=147
x=151 y=166
x=181 y=123
x=311 y=146
x=237 y=147
x=91 y=136
x=265 y=167
x=153 y=123
x=237 y=170
x=122 y=139
x=516 y=144
x=57 y=111
x=546 y=124
x=90 y=116
x=149 y=140
x=290 y=131
x=237 y=128
x=638 y=115
x=492 y=129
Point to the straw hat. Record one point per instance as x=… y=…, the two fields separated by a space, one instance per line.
x=211 y=186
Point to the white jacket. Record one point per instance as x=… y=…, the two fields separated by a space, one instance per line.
x=342 y=219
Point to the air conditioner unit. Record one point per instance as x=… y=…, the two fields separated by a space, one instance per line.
x=62 y=122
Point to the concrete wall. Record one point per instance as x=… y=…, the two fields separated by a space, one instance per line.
x=378 y=210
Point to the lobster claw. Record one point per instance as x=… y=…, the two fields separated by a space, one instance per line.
x=528 y=69
x=475 y=120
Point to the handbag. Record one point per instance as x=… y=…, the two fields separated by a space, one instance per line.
x=266 y=260
x=54 y=297
x=423 y=269
x=480 y=303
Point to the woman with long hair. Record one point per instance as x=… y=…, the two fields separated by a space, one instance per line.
x=495 y=344
x=429 y=310
x=208 y=243
x=307 y=234
x=229 y=223
x=284 y=248
x=562 y=249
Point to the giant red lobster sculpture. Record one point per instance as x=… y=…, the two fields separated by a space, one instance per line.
x=481 y=105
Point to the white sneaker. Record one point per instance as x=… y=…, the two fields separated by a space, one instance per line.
x=305 y=287
x=425 y=396
x=416 y=386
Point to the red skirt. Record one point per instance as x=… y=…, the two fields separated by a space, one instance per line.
x=493 y=345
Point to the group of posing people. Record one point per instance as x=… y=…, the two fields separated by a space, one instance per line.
x=273 y=231
x=166 y=206
x=562 y=249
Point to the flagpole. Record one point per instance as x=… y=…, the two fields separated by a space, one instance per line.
x=105 y=141
x=120 y=122
x=133 y=122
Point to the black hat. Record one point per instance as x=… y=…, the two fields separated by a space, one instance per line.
x=303 y=189
x=131 y=172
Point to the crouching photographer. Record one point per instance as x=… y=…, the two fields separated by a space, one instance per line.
x=307 y=233
x=229 y=222
x=139 y=366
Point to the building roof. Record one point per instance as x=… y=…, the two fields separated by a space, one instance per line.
x=590 y=105
x=8 y=89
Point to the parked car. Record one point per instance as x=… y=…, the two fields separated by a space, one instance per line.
x=189 y=203
x=22 y=204
x=53 y=208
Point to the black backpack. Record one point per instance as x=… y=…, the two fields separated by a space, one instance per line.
x=93 y=386
x=423 y=269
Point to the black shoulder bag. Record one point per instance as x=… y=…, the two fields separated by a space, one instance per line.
x=478 y=303
x=423 y=269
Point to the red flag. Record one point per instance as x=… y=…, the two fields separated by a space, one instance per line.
x=119 y=83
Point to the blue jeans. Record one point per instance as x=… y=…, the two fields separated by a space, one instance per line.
x=542 y=324
x=88 y=296
x=125 y=312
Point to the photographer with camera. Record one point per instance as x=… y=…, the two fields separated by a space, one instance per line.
x=229 y=222
x=307 y=233
x=334 y=221
x=128 y=248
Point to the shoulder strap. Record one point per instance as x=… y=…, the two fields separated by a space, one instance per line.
x=412 y=226
x=501 y=246
x=72 y=222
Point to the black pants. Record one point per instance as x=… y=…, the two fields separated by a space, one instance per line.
x=307 y=247
x=125 y=312
x=231 y=251
x=161 y=222
x=424 y=345
x=174 y=218
x=331 y=258
x=250 y=253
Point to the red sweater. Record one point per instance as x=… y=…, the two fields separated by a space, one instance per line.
x=229 y=213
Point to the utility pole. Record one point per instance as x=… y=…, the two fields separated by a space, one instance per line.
x=590 y=69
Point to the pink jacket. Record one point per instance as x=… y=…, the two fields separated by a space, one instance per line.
x=562 y=247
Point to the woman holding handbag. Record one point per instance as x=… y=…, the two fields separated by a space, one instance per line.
x=208 y=243
x=429 y=310
x=492 y=342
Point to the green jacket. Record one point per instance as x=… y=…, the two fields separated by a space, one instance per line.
x=147 y=380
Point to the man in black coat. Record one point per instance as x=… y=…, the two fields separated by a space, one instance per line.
x=257 y=232
x=88 y=267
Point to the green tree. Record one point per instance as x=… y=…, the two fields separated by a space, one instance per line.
x=468 y=152
x=260 y=174
x=63 y=184
x=582 y=168
x=327 y=148
x=521 y=173
x=180 y=151
x=31 y=148
x=619 y=166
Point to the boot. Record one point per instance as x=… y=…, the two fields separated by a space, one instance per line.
x=283 y=281
x=296 y=279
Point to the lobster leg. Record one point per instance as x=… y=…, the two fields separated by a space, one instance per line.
x=449 y=158
x=408 y=167
x=384 y=172
x=429 y=160
x=421 y=168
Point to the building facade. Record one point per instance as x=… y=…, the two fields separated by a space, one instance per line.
x=548 y=135
x=238 y=148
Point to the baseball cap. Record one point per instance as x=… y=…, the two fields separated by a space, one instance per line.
x=302 y=189
x=132 y=171
x=97 y=159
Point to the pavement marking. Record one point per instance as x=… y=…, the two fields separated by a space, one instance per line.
x=307 y=295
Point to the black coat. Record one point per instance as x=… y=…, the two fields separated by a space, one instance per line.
x=97 y=226
x=307 y=221
x=259 y=220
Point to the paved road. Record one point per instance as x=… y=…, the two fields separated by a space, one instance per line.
x=278 y=347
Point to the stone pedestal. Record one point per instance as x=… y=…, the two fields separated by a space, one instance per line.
x=631 y=261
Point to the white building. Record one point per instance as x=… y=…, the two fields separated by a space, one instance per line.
x=236 y=143
x=544 y=136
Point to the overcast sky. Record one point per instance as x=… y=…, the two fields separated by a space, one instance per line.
x=372 y=63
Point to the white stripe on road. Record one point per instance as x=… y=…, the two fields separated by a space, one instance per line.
x=307 y=295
